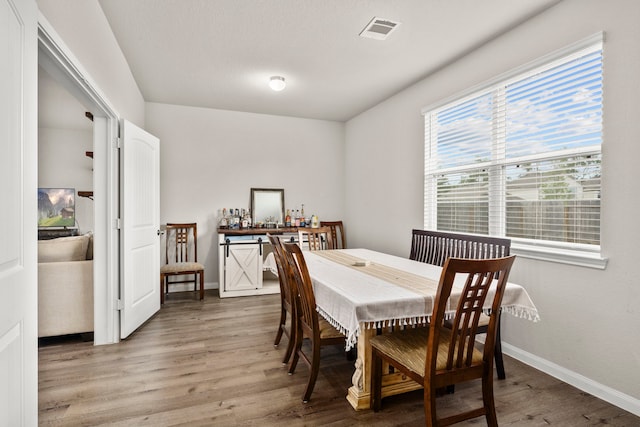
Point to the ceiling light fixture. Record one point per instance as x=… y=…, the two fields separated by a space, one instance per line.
x=277 y=83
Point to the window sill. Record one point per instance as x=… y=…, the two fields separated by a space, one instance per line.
x=574 y=256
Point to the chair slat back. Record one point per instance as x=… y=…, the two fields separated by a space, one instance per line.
x=306 y=301
x=283 y=272
x=318 y=238
x=434 y=247
x=181 y=243
x=480 y=275
x=337 y=233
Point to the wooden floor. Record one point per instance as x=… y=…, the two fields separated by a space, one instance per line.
x=213 y=363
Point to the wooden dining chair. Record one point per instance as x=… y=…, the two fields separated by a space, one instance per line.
x=181 y=258
x=309 y=324
x=337 y=233
x=434 y=247
x=317 y=238
x=436 y=356
x=286 y=299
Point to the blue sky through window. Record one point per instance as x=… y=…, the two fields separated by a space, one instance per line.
x=557 y=109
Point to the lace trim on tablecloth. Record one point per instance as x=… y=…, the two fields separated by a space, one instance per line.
x=352 y=338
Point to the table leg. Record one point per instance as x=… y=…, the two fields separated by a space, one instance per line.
x=359 y=394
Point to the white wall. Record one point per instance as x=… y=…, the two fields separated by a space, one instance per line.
x=210 y=159
x=86 y=31
x=62 y=164
x=64 y=135
x=590 y=318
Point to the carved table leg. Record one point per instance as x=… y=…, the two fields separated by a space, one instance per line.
x=359 y=394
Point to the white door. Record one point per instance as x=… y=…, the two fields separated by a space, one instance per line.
x=18 y=227
x=140 y=204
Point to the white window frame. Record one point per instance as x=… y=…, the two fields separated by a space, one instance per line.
x=563 y=252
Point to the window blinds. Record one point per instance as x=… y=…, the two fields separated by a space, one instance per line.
x=521 y=158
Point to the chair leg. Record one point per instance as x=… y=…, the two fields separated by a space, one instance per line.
x=375 y=401
x=283 y=320
x=498 y=352
x=291 y=344
x=288 y=352
x=314 y=370
x=297 y=337
x=430 y=417
x=161 y=288
x=487 y=398
x=201 y=285
x=352 y=354
x=166 y=285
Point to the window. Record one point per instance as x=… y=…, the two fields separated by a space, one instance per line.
x=521 y=157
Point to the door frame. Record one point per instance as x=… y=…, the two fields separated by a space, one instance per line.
x=58 y=60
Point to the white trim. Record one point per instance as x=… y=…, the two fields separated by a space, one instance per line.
x=575 y=254
x=56 y=57
x=608 y=394
x=583 y=258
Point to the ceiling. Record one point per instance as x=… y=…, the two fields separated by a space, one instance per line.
x=221 y=53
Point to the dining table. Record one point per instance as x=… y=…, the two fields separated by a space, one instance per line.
x=363 y=292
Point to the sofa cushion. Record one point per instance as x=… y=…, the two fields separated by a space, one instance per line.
x=63 y=249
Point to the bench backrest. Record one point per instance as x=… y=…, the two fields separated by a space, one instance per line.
x=434 y=247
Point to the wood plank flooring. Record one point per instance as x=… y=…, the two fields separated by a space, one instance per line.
x=212 y=363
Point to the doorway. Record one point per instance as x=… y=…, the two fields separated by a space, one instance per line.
x=55 y=59
x=65 y=209
x=124 y=275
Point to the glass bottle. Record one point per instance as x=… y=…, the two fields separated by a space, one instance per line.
x=223 y=220
x=287 y=219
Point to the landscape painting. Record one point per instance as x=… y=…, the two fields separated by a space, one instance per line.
x=56 y=207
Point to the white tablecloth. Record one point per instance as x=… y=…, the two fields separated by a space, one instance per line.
x=351 y=299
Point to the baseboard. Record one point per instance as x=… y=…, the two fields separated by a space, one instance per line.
x=581 y=382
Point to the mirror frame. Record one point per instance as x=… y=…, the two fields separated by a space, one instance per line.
x=255 y=207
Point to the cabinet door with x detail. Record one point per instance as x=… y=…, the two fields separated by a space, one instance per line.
x=243 y=267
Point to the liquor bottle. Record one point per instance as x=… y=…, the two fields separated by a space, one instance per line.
x=223 y=220
x=303 y=221
x=297 y=216
x=314 y=221
x=287 y=219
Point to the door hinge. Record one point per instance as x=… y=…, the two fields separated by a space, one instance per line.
x=119 y=304
x=117 y=142
x=117 y=224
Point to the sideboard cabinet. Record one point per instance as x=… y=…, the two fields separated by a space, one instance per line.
x=241 y=262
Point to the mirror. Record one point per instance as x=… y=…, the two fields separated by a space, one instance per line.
x=267 y=206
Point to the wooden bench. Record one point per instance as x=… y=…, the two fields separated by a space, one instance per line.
x=434 y=247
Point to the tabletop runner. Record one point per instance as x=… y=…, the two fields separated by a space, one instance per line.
x=419 y=284
x=410 y=281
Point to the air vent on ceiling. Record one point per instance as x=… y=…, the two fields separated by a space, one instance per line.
x=379 y=28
